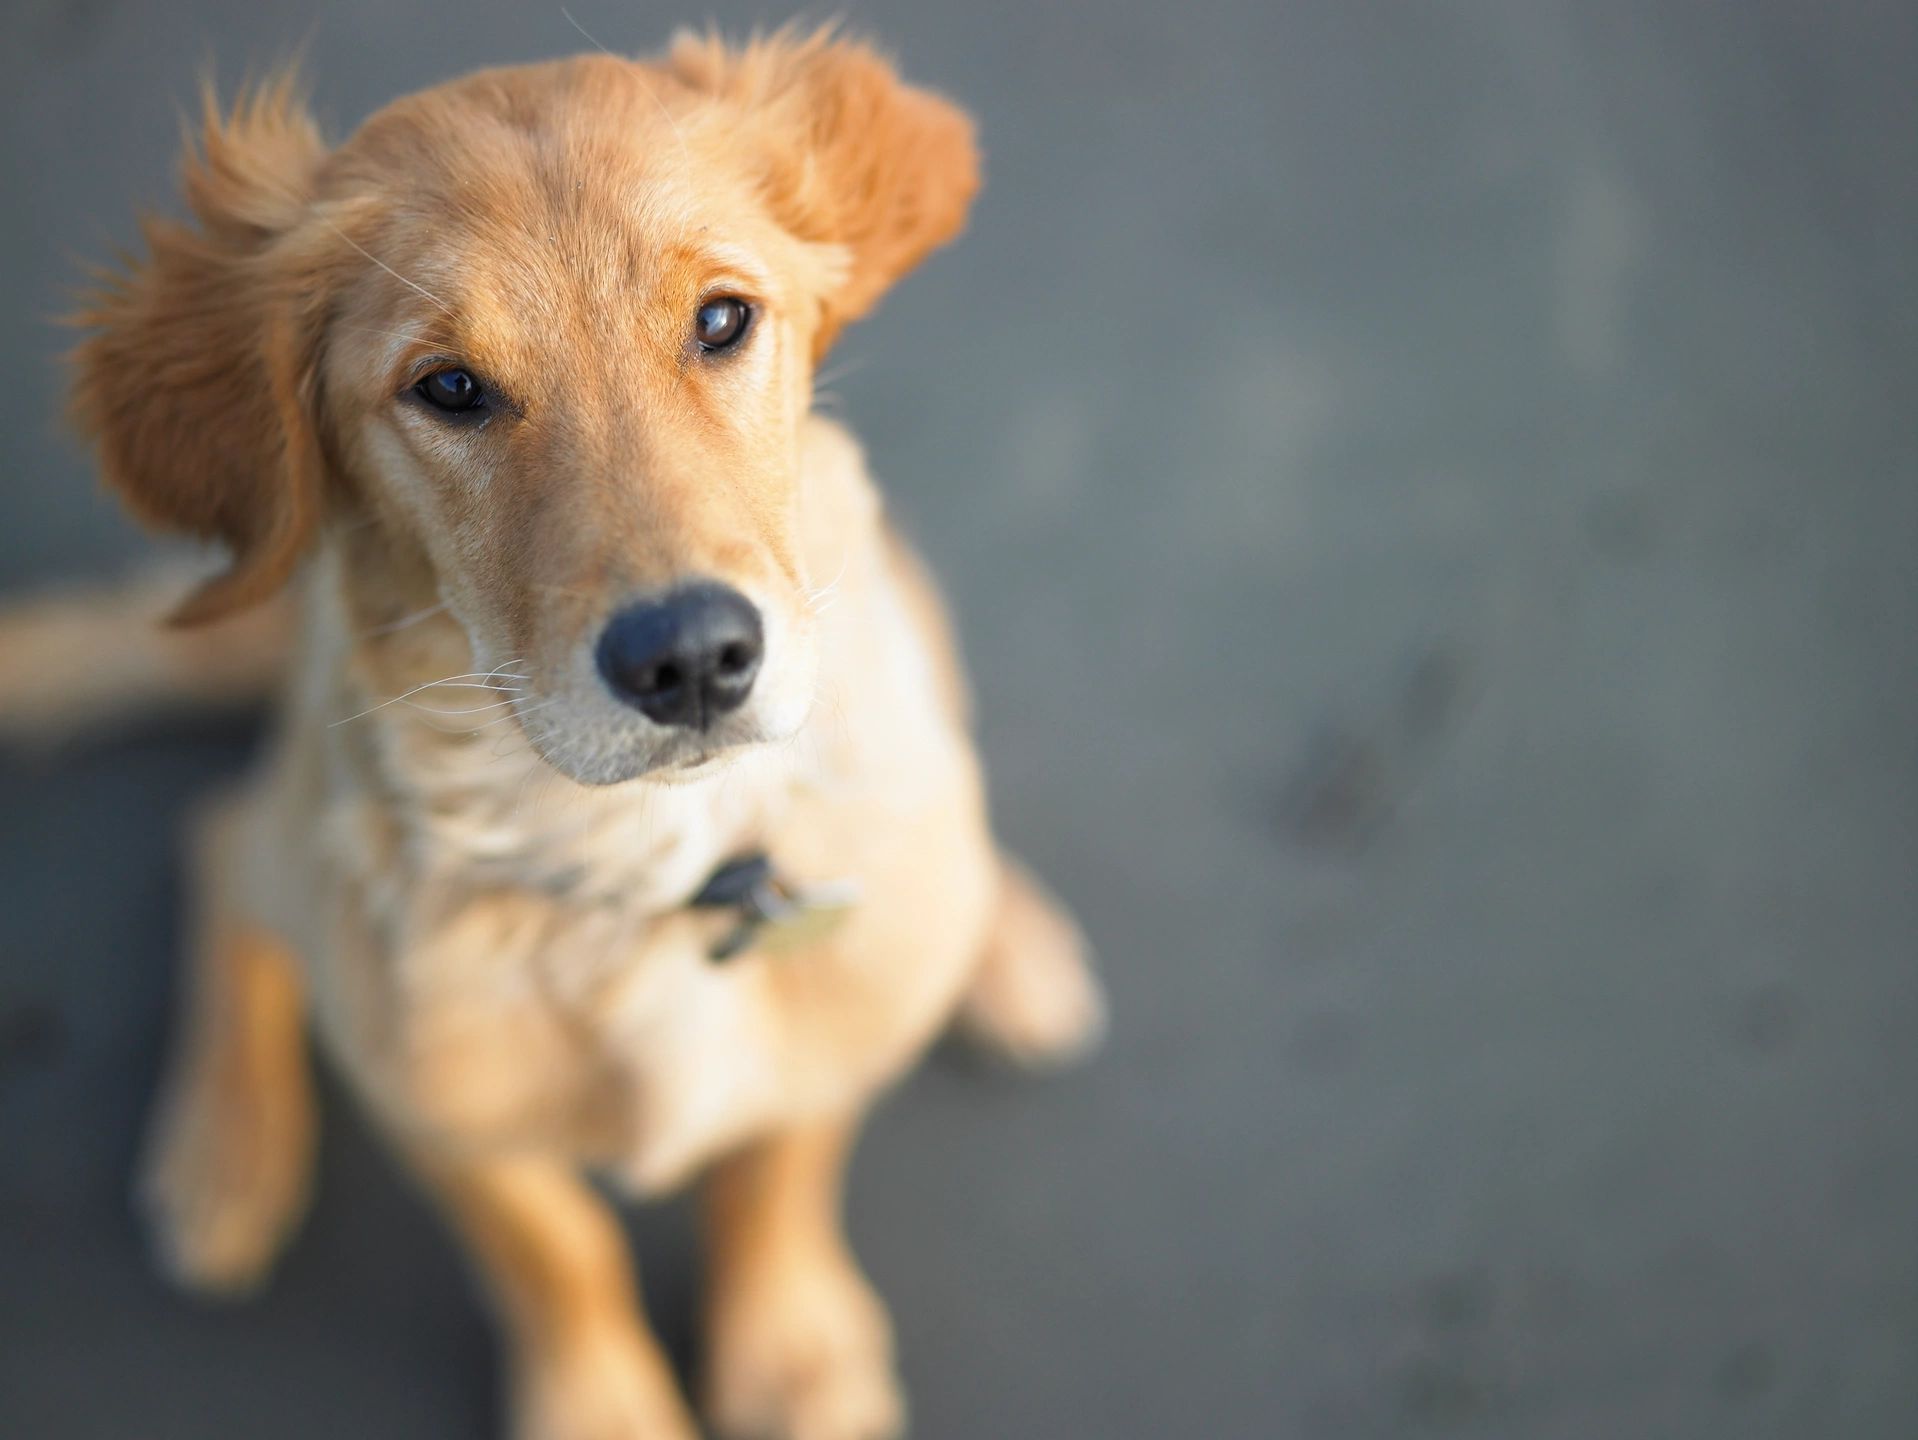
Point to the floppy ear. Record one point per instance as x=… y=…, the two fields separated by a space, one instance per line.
x=854 y=157
x=197 y=380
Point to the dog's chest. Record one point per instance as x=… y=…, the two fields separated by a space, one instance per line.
x=524 y=968
x=564 y=1017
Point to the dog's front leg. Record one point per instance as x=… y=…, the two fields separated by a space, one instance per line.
x=230 y=1149
x=582 y=1364
x=798 y=1347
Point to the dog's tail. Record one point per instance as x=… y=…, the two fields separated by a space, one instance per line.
x=78 y=662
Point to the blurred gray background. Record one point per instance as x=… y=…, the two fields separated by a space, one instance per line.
x=1432 y=496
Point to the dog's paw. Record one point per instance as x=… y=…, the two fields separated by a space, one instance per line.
x=1034 y=1000
x=804 y=1355
x=608 y=1386
x=225 y=1180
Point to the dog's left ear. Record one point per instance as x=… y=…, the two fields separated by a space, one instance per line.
x=853 y=157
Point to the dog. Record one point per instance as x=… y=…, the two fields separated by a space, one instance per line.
x=621 y=817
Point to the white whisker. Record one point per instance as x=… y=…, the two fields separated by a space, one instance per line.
x=390 y=334
x=421 y=289
x=832 y=374
x=468 y=710
x=572 y=20
x=519 y=714
x=465 y=681
x=824 y=592
x=405 y=620
x=680 y=134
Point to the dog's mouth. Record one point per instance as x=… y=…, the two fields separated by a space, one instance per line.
x=694 y=757
x=597 y=750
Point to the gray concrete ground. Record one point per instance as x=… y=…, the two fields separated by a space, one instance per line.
x=1432 y=492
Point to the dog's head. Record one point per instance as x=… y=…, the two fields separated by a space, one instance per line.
x=551 y=330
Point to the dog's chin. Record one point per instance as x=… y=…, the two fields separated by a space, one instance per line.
x=701 y=765
x=633 y=753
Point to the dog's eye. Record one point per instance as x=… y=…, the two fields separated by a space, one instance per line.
x=454 y=391
x=721 y=322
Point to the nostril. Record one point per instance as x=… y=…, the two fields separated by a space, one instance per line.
x=685 y=658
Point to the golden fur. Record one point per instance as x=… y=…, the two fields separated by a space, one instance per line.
x=463 y=861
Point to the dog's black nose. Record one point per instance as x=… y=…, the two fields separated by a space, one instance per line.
x=686 y=658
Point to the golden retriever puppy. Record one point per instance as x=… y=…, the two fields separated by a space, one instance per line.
x=623 y=815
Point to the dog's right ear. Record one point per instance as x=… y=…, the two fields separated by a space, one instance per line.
x=197 y=382
x=851 y=157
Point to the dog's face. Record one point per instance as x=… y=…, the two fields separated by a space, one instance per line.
x=575 y=379
x=553 y=330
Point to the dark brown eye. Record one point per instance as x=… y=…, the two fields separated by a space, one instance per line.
x=454 y=391
x=721 y=322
